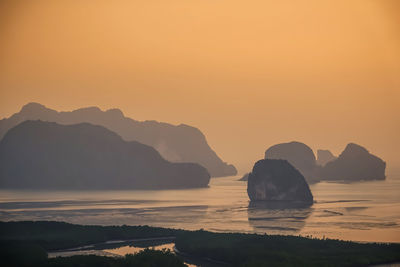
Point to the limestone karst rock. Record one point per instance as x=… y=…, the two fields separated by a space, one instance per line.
x=355 y=163
x=277 y=180
x=40 y=155
x=176 y=143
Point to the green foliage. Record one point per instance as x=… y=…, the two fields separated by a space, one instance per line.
x=25 y=254
x=61 y=235
x=154 y=258
x=273 y=250
x=15 y=253
x=145 y=258
x=85 y=261
x=25 y=243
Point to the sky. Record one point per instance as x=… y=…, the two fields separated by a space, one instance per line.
x=249 y=74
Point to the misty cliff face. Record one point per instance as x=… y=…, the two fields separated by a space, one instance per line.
x=298 y=154
x=180 y=143
x=324 y=156
x=37 y=154
x=277 y=180
x=353 y=164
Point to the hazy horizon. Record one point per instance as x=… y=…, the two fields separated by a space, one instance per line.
x=263 y=82
x=247 y=74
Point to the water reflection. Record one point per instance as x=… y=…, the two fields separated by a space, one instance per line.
x=122 y=248
x=116 y=248
x=276 y=217
x=364 y=211
x=80 y=212
x=132 y=249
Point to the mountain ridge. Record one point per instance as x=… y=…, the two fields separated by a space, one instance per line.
x=176 y=143
x=41 y=155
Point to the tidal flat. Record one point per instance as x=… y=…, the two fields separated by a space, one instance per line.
x=361 y=211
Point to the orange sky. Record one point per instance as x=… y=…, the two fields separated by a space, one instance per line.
x=249 y=73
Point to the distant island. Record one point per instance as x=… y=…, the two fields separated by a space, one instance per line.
x=355 y=163
x=181 y=143
x=37 y=154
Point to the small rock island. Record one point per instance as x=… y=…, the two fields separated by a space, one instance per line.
x=277 y=180
x=355 y=163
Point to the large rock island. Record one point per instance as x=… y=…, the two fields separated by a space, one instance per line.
x=298 y=154
x=355 y=163
x=37 y=154
x=277 y=180
x=176 y=143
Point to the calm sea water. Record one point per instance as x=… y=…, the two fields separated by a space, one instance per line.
x=362 y=211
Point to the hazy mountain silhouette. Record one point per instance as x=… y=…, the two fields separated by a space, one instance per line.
x=37 y=154
x=324 y=156
x=353 y=164
x=181 y=143
x=298 y=154
x=277 y=180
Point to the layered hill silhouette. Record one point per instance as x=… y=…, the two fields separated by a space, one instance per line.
x=37 y=154
x=355 y=163
x=181 y=143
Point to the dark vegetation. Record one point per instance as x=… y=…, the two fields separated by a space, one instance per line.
x=145 y=258
x=19 y=254
x=274 y=250
x=26 y=243
x=60 y=235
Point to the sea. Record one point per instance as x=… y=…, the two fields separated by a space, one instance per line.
x=360 y=211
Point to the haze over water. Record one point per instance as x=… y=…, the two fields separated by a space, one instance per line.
x=124 y=113
x=361 y=211
x=249 y=74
